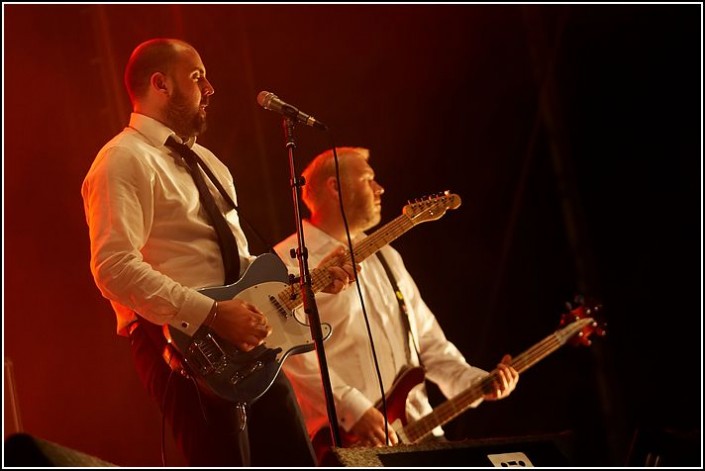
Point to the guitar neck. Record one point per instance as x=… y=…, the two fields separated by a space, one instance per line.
x=320 y=277
x=450 y=409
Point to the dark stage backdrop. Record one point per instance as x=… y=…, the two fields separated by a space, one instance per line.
x=572 y=134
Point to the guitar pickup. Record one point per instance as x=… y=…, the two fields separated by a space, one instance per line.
x=280 y=309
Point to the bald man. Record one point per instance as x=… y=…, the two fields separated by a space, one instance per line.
x=154 y=244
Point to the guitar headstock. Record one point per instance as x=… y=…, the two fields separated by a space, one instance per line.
x=578 y=312
x=431 y=208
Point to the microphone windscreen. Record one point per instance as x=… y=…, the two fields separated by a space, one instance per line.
x=263 y=98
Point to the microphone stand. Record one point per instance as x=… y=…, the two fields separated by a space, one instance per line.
x=308 y=298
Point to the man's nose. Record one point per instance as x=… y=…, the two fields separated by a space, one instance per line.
x=208 y=89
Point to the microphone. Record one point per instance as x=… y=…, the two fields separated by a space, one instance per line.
x=269 y=101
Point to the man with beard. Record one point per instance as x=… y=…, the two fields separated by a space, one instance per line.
x=155 y=242
x=397 y=343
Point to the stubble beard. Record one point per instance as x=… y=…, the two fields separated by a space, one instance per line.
x=182 y=118
x=367 y=216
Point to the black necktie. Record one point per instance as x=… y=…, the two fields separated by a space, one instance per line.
x=226 y=239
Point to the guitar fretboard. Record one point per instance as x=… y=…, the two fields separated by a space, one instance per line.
x=450 y=409
x=320 y=277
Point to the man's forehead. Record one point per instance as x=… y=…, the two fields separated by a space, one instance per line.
x=189 y=58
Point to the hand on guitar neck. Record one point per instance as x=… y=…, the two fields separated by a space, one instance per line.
x=339 y=269
x=505 y=380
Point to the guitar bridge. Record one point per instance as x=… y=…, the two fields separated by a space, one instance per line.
x=207 y=356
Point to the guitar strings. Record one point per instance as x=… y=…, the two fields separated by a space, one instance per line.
x=448 y=410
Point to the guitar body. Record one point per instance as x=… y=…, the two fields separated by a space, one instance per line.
x=407 y=379
x=264 y=279
x=244 y=376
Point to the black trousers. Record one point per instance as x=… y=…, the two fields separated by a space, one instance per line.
x=207 y=428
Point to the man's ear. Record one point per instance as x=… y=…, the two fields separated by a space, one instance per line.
x=158 y=81
x=332 y=186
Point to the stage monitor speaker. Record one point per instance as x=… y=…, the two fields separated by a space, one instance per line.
x=544 y=451
x=23 y=450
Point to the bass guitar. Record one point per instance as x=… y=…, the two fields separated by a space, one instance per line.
x=576 y=327
x=242 y=377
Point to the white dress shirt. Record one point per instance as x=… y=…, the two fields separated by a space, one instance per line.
x=348 y=352
x=151 y=241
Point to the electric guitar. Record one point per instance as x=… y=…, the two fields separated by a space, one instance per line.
x=242 y=377
x=576 y=326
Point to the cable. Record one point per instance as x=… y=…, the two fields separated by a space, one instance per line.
x=359 y=292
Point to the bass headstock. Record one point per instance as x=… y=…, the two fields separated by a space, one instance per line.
x=581 y=309
x=431 y=208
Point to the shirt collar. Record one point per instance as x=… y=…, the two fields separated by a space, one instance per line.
x=326 y=243
x=155 y=131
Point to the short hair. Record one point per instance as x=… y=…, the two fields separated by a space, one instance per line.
x=321 y=168
x=154 y=55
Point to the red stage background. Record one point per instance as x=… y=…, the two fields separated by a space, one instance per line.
x=571 y=132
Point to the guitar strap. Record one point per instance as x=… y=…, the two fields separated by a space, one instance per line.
x=404 y=312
